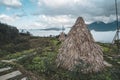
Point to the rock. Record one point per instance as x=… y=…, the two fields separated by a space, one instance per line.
x=110 y=58
x=118 y=62
x=79 y=50
x=5 y=69
x=10 y=75
x=107 y=64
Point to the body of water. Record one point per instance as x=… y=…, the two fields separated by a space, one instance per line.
x=99 y=36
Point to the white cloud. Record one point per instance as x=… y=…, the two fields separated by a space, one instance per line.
x=11 y=3
x=91 y=10
x=7 y=19
x=63 y=3
x=37 y=25
x=55 y=13
x=106 y=19
x=56 y=21
x=46 y=21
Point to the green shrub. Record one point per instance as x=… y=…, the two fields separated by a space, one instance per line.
x=19 y=54
x=43 y=64
x=3 y=53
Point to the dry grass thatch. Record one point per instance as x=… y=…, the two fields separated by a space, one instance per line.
x=79 y=50
x=62 y=37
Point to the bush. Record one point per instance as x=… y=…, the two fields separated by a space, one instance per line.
x=3 y=53
x=43 y=63
x=9 y=48
x=19 y=54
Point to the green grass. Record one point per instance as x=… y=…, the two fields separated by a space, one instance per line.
x=18 y=54
x=2 y=65
x=43 y=64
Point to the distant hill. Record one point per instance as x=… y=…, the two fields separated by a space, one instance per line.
x=97 y=26
x=12 y=41
x=101 y=26
x=7 y=33
x=54 y=29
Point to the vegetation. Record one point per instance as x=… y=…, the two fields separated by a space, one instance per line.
x=18 y=54
x=7 y=33
x=2 y=65
x=11 y=41
x=43 y=63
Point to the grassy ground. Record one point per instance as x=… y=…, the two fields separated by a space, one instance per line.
x=43 y=63
x=18 y=54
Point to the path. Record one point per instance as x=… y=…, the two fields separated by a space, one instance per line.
x=9 y=73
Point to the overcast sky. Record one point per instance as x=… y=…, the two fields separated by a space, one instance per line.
x=38 y=14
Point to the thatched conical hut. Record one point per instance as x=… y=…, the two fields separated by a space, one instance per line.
x=79 y=50
x=62 y=37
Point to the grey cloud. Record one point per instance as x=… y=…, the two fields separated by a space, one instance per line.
x=101 y=8
x=36 y=13
x=11 y=3
x=20 y=15
x=110 y=9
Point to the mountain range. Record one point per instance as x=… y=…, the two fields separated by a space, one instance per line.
x=55 y=29
x=101 y=26
x=97 y=26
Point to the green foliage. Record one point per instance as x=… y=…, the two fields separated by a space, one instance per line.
x=7 y=34
x=2 y=65
x=43 y=64
x=9 y=47
x=109 y=49
x=12 y=48
x=19 y=54
x=104 y=75
x=105 y=49
x=117 y=42
x=25 y=33
x=11 y=40
x=3 y=53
